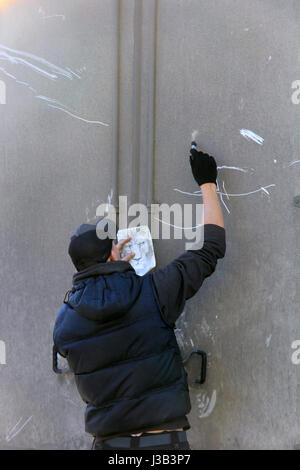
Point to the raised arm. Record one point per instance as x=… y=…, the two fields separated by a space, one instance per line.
x=182 y=278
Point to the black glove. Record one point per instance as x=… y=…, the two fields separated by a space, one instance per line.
x=204 y=167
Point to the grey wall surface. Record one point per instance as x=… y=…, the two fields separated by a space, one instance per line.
x=101 y=99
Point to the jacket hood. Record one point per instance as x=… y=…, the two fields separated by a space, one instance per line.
x=105 y=291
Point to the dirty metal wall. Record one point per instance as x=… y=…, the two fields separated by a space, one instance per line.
x=100 y=99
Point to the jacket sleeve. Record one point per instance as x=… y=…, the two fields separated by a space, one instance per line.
x=182 y=278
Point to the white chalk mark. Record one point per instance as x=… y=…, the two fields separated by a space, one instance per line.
x=20 y=57
x=62 y=107
x=294 y=162
x=221 y=197
x=249 y=135
x=206 y=405
x=54 y=16
x=78 y=117
x=198 y=193
x=76 y=75
x=268 y=340
x=12 y=430
x=177 y=226
x=264 y=189
x=50 y=100
x=22 y=83
x=224 y=189
x=109 y=200
x=8 y=74
x=10 y=436
x=224 y=204
x=244 y=170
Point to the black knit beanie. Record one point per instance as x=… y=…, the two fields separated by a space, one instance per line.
x=86 y=248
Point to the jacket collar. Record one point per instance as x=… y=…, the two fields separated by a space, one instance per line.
x=103 y=268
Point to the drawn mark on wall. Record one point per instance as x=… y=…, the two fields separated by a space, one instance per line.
x=2 y=353
x=37 y=64
x=226 y=167
x=221 y=198
x=262 y=188
x=16 y=429
x=250 y=135
x=206 y=404
x=48 y=70
x=78 y=117
x=62 y=107
x=294 y=162
x=268 y=340
x=54 y=16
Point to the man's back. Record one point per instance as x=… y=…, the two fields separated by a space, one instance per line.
x=124 y=356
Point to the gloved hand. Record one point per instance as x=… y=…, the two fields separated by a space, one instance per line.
x=204 y=167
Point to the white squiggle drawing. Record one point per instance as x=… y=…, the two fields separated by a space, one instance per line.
x=294 y=162
x=244 y=170
x=268 y=340
x=78 y=117
x=62 y=107
x=17 y=81
x=198 y=193
x=22 y=83
x=221 y=198
x=50 y=100
x=250 y=135
x=21 y=57
x=54 y=16
x=224 y=189
x=76 y=74
x=11 y=434
x=177 y=226
x=8 y=74
x=206 y=405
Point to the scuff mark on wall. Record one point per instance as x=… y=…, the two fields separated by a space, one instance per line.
x=250 y=135
x=206 y=404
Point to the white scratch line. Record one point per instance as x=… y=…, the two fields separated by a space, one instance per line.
x=177 y=226
x=268 y=341
x=76 y=75
x=5 y=55
x=78 y=117
x=209 y=409
x=294 y=162
x=53 y=16
x=22 y=83
x=249 y=135
x=224 y=189
x=9 y=437
x=244 y=170
x=12 y=430
x=196 y=193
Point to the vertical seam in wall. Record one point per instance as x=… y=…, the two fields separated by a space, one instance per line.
x=116 y=105
x=136 y=101
x=151 y=154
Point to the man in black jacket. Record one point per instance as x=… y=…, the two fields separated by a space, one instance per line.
x=116 y=330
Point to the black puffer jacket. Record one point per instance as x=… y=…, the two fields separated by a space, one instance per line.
x=125 y=358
